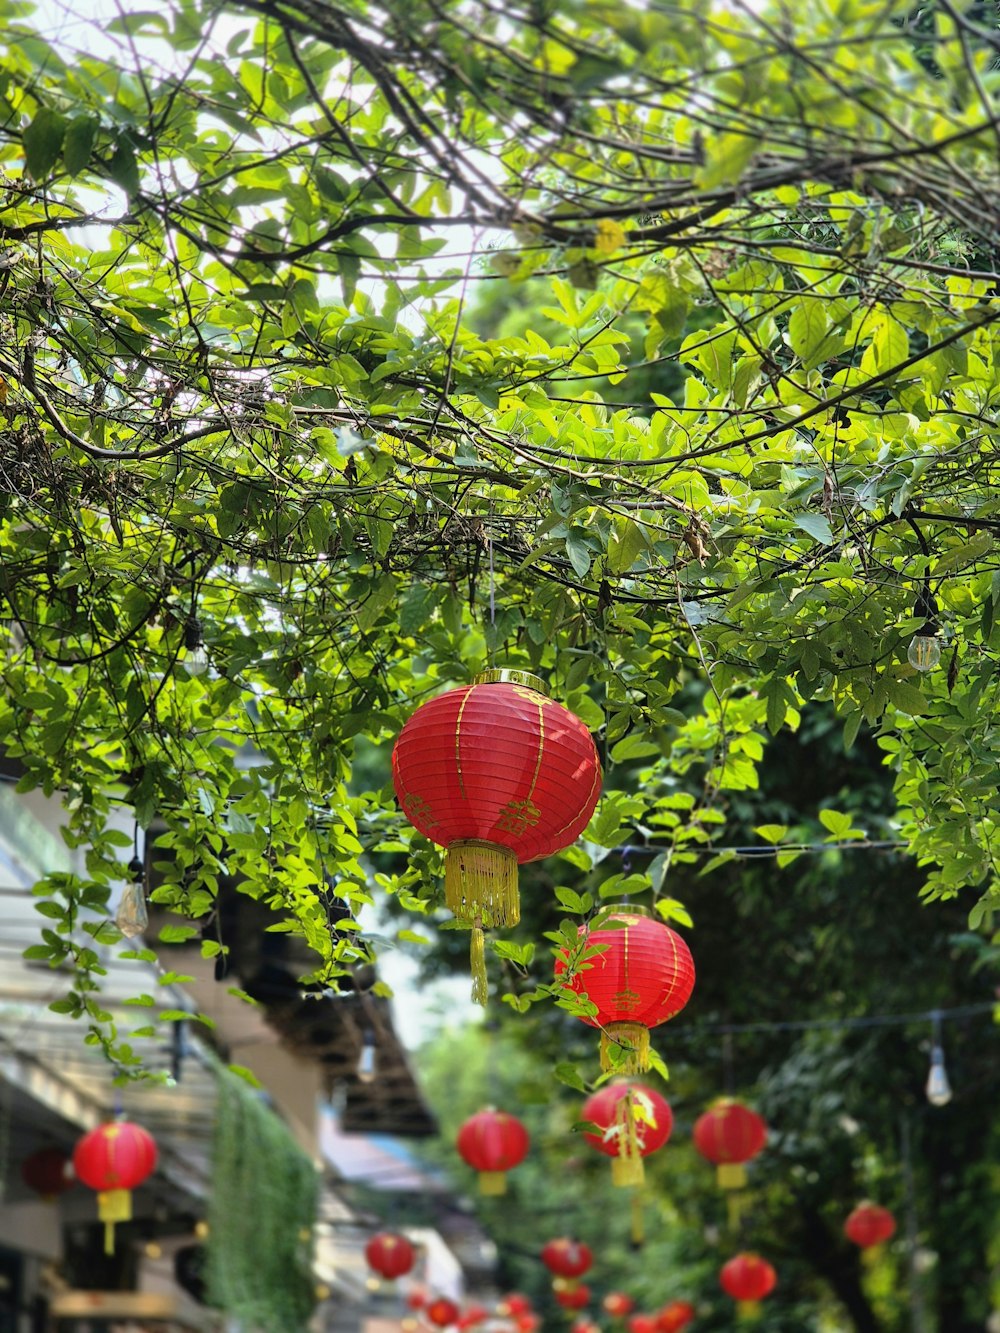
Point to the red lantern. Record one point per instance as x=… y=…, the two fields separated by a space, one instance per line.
x=573 y=1296
x=473 y=1315
x=635 y=1121
x=498 y=774
x=642 y=1323
x=389 y=1255
x=566 y=1258
x=442 y=1312
x=416 y=1298
x=527 y=1323
x=748 y=1279
x=493 y=1142
x=675 y=1317
x=514 y=1306
x=730 y=1134
x=642 y=976
x=584 y=1326
x=618 y=1304
x=48 y=1172
x=114 y=1159
x=869 y=1225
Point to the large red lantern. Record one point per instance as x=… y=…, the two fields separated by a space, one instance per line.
x=566 y=1258
x=442 y=1312
x=870 y=1225
x=730 y=1134
x=675 y=1317
x=497 y=774
x=48 y=1172
x=114 y=1159
x=492 y=1143
x=641 y=975
x=390 y=1255
x=634 y=1121
x=618 y=1305
x=748 y=1279
x=572 y=1296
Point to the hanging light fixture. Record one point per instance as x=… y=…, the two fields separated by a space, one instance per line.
x=924 y=652
x=195 y=656
x=938 y=1084
x=366 y=1060
x=132 y=916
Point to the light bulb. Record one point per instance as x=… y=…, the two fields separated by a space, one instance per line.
x=196 y=661
x=938 y=1088
x=924 y=652
x=132 y=918
x=366 y=1060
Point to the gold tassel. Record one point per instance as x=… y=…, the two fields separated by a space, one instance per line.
x=627 y=1170
x=638 y=1222
x=734 y=1211
x=625 y=1048
x=731 y=1175
x=492 y=1182
x=748 y=1310
x=870 y=1255
x=480 y=879
x=477 y=962
x=113 y=1206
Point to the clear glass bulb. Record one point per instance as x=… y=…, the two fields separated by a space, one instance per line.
x=196 y=661
x=366 y=1061
x=132 y=918
x=938 y=1087
x=924 y=652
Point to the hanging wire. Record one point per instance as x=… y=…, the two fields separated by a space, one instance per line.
x=867 y=1021
x=763 y=851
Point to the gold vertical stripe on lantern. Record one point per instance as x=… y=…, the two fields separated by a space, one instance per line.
x=630 y=1043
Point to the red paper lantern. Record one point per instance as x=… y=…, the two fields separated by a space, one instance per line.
x=566 y=1258
x=390 y=1255
x=748 y=1279
x=574 y=1296
x=514 y=1306
x=869 y=1225
x=642 y=976
x=48 y=1172
x=498 y=774
x=442 y=1312
x=527 y=1323
x=416 y=1298
x=618 y=1304
x=473 y=1315
x=730 y=1134
x=114 y=1159
x=642 y=1323
x=675 y=1317
x=584 y=1326
x=635 y=1121
x=492 y=1143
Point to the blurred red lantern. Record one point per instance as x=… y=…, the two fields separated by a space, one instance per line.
x=634 y=1122
x=584 y=1326
x=514 y=1306
x=48 y=1172
x=114 y=1159
x=573 y=1296
x=566 y=1258
x=730 y=1134
x=498 y=774
x=442 y=1312
x=642 y=976
x=473 y=1315
x=748 y=1279
x=390 y=1255
x=642 y=1323
x=869 y=1225
x=416 y=1298
x=527 y=1323
x=618 y=1304
x=493 y=1142
x=675 y=1317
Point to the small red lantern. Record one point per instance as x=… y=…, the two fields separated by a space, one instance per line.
x=642 y=1323
x=642 y=976
x=114 y=1159
x=635 y=1121
x=618 y=1304
x=527 y=1323
x=572 y=1296
x=584 y=1326
x=416 y=1298
x=869 y=1225
x=675 y=1317
x=748 y=1279
x=498 y=774
x=492 y=1143
x=442 y=1312
x=566 y=1258
x=48 y=1172
x=473 y=1315
x=390 y=1255
x=514 y=1306
x=730 y=1134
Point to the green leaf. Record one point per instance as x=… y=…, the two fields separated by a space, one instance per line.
x=43 y=141
x=817 y=526
x=123 y=168
x=81 y=135
x=569 y=1074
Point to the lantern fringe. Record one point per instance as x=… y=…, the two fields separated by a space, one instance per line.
x=492 y=1182
x=870 y=1255
x=731 y=1175
x=637 y=1221
x=627 y=1170
x=480 y=879
x=477 y=964
x=625 y=1048
x=113 y=1206
x=748 y=1310
x=734 y=1211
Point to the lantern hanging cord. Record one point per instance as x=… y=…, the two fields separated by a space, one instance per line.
x=865 y=1021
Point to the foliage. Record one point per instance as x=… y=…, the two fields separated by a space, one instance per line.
x=243 y=398
x=261 y=1215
